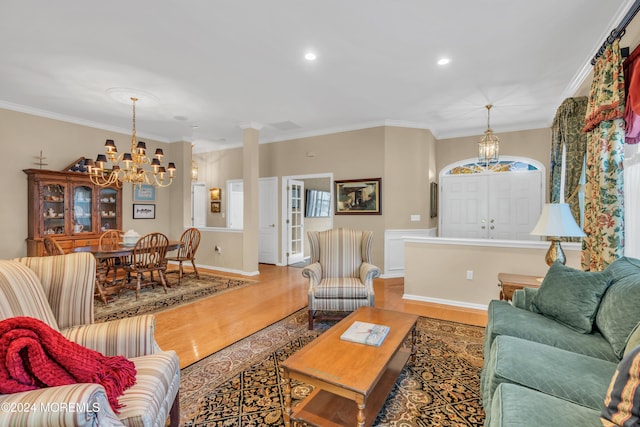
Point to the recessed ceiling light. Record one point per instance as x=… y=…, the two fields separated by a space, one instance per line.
x=443 y=61
x=310 y=56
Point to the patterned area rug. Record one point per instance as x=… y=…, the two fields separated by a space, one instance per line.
x=242 y=384
x=153 y=300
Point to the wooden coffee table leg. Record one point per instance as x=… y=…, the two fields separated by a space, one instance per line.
x=414 y=345
x=361 y=416
x=287 y=397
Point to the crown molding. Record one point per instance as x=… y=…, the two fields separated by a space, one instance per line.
x=70 y=119
x=586 y=69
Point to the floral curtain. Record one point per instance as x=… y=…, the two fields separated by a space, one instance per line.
x=632 y=155
x=567 y=130
x=604 y=202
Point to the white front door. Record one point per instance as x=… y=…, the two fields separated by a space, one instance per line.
x=267 y=222
x=499 y=205
x=515 y=205
x=464 y=206
x=295 y=221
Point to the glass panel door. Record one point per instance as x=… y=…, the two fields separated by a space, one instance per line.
x=53 y=208
x=108 y=213
x=82 y=209
x=295 y=220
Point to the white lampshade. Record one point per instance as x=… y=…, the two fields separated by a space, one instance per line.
x=556 y=220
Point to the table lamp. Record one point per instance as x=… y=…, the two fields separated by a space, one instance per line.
x=555 y=222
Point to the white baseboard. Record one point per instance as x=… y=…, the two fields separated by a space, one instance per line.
x=226 y=270
x=452 y=303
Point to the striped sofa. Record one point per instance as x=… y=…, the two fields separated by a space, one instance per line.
x=59 y=290
x=340 y=272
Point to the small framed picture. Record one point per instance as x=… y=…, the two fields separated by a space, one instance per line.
x=144 y=211
x=433 y=200
x=215 y=207
x=214 y=193
x=144 y=193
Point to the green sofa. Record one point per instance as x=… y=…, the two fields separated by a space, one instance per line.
x=550 y=356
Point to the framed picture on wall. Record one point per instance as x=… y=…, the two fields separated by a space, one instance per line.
x=144 y=193
x=215 y=207
x=433 y=200
x=214 y=193
x=144 y=211
x=358 y=196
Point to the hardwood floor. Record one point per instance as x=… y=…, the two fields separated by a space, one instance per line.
x=201 y=328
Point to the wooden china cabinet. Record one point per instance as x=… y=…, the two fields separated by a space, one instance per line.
x=70 y=208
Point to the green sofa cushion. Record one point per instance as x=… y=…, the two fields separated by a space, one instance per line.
x=618 y=314
x=505 y=319
x=516 y=406
x=571 y=296
x=570 y=376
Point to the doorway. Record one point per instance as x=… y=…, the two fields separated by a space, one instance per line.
x=198 y=205
x=502 y=201
x=297 y=223
x=268 y=221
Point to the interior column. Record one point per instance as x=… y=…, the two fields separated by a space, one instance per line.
x=250 y=177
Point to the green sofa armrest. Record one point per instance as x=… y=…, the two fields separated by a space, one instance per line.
x=522 y=297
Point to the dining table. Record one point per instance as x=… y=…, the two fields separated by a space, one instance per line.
x=105 y=252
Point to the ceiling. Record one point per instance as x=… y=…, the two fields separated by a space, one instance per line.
x=203 y=69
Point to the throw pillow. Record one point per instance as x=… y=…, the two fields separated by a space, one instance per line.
x=571 y=296
x=622 y=402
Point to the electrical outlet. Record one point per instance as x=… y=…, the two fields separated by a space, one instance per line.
x=469 y=274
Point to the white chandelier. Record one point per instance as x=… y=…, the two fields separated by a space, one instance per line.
x=130 y=167
x=489 y=145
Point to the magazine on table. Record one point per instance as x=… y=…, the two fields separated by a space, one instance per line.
x=365 y=333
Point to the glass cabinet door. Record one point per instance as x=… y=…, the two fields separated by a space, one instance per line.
x=53 y=208
x=108 y=209
x=82 y=209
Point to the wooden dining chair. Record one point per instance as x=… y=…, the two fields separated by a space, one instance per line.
x=112 y=239
x=51 y=247
x=190 y=240
x=149 y=256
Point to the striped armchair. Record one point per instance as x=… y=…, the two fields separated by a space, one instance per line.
x=340 y=273
x=59 y=291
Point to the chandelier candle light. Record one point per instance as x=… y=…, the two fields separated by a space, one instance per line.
x=489 y=145
x=133 y=164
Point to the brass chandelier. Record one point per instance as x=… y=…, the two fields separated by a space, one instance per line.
x=489 y=145
x=130 y=167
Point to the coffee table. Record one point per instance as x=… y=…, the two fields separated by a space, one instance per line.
x=351 y=380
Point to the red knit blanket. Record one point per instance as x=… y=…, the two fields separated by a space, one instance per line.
x=33 y=356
